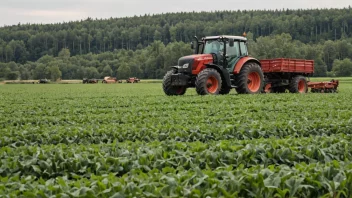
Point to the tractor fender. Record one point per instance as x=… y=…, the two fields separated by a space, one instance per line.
x=243 y=61
x=224 y=73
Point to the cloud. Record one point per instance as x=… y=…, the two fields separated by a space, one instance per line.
x=10 y=16
x=53 y=11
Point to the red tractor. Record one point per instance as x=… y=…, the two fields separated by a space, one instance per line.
x=220 y=63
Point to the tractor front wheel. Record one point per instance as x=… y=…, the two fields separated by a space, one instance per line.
x=250 y=79
x=208 y=82
x=168 y=88
x=298 y=85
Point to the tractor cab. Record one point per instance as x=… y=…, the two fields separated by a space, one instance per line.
x=227 y=49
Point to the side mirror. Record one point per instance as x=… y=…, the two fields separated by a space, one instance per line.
x=231 y=42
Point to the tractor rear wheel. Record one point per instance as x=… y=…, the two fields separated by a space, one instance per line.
x=208 y=82
x=250 y=79
x=298 y=85
x=168 y=88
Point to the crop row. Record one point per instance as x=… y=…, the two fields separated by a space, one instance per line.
x=333 y=179
x=120 y=158
x=79 y=107
x=174 y=110
x=96 y=134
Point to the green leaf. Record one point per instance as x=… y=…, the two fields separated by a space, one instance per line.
x=293 y=184
x=36 y=169
x=118 y=195
x=272 y=181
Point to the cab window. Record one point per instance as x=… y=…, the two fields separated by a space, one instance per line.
x=213 y=46
x=243 y=47
x=232 y=51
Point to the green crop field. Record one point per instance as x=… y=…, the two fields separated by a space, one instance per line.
x=130 y=140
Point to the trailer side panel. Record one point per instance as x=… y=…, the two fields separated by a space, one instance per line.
x=285 y=65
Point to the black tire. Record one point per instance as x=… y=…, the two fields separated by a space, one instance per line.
x=280 y=89
x=225 y=90
x=296 y=85
x=202 y=85
x=169 y=89
x=242 y=78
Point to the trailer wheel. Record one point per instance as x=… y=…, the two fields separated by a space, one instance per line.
x=208 y=82
x=250 y=79
x=298 y=85
x=168 y=88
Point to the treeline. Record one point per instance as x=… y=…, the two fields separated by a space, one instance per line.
x=29 y=42
x=332 y=58
x=150 y=62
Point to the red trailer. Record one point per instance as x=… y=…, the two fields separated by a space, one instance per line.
x=283 y=74
x=281 y=65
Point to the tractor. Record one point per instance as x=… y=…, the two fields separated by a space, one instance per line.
x=220 y=63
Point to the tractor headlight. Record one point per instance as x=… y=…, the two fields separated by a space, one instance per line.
x=185 y=65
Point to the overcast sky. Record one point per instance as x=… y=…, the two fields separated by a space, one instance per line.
x=52 y=11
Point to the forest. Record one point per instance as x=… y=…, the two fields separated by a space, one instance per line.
x=146 y=46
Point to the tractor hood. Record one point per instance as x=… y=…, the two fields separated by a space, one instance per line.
x=194 y=57
x=191 y=62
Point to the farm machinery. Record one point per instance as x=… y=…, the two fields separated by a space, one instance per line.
x=323 y=87
x=91 y=81
x=133 y=80
x=108 y=79
x=220 y=63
